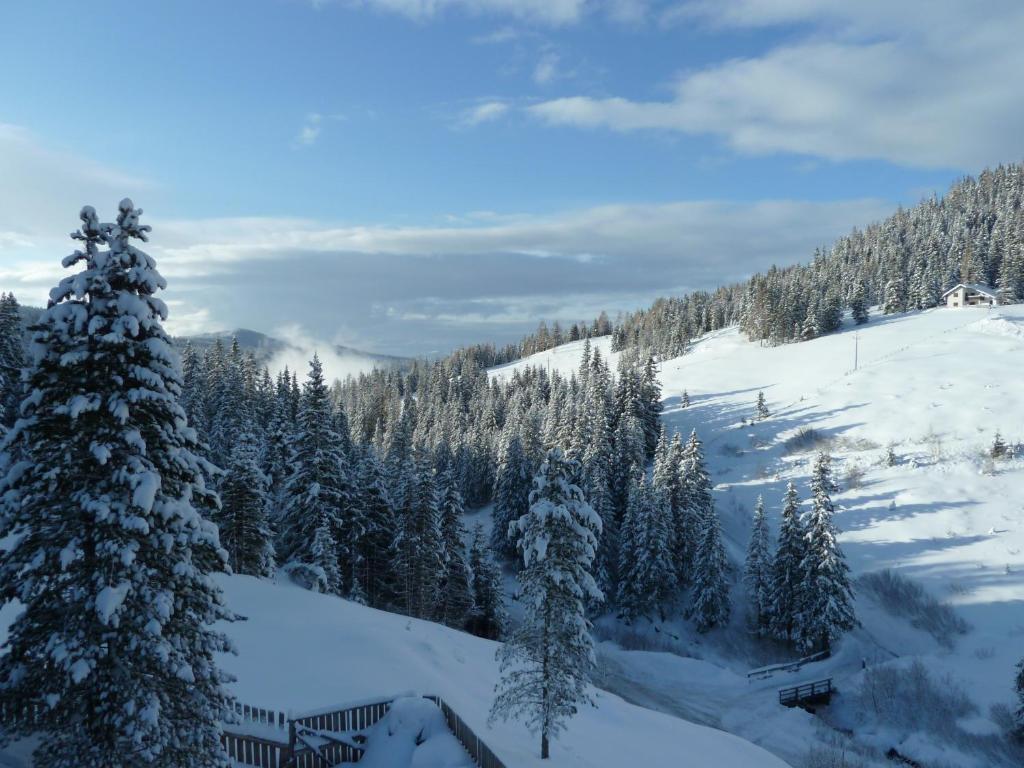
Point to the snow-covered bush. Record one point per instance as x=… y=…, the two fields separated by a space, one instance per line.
x=807 y=439
x=912 y=698
x=902 y=597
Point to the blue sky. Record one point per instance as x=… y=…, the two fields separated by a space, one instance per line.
x=407 y=175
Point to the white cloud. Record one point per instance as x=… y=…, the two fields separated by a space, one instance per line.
x=406 y=289
x=552 y=12
x=868 y=81
x=547 y=68
x=302 y=345
x=484 y=113
x=310 y=130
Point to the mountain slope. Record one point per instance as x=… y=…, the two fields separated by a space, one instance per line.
x=936 y=385
x=299 y=650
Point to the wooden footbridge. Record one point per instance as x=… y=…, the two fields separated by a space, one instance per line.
x=808 y=695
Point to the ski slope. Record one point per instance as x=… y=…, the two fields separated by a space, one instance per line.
x=936 y=385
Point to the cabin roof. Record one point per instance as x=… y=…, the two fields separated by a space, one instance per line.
x=984 y=290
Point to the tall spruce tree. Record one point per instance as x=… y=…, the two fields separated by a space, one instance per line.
x=826 y=609
x=455 y=598
x=511 y=491
x=758 y=573
x=316 y=494
x=375 y=548
x=419 y=551
x=546 y=664
x=711 y=604
x=245 y=530
x=787 y=588
x=1019 y=714
x=12 y=360
x=107 y=549
x=647 y=580
x=487 y=617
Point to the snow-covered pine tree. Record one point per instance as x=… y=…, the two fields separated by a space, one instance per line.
x=826 y=610
x=809 y=329
x=859 y=305
x=374 y=550
x=546 y=664
x=695 y=502
x=891 y=460
x=758 y=572
x=511 y=490
x=12 y=359
x=316 y=494
x=787 y=569
x=998 y=449
x=686 y=399
x=245 y=531
x=1019 y=714
x=107 y=549
x=647 y=578
x=711 y=604
x=487 y=617
x=895 y=296
x=762 y=407
x=419 y=553
x=455 y=598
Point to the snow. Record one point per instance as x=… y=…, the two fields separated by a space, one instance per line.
x=302 y=651
x=413 y=734
x=110 y=599
x=937 y=385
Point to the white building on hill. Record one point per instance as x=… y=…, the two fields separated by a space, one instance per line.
x=970 y=295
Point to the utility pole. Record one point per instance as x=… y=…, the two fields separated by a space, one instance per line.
x=856 y=339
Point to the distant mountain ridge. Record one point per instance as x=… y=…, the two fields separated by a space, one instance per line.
x=263 y=346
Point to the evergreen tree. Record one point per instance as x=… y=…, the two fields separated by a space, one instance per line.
x=826 y=609
x=511 y=491
x=456 y=599
x=419 y=549
x=108 y=552
x=694 y=506
x=244 y=529
x=374 y=550
x=686 y=399
x=316 y=494
x=647 y=575
x=546 y=663
x=487 y=617
x=12 y=360
x=895 y=298
x=711 y=605
x=762 y=407
x=859 y=305
x=1019 y=714
x=787 y=570
x=758 y=573
x=998 y=449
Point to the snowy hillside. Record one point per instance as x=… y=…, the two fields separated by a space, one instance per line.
x=299 y=650
x=936 y=385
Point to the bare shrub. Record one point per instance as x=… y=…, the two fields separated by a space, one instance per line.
x=902 y=597
x=853 y=477
x=805 y=440
x=911 y=698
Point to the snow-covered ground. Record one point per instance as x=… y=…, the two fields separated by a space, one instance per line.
x=302 y=651
x=937 y=385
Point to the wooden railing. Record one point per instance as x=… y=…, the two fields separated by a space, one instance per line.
x=799 y=694
x=267 y=738
x=480 y=752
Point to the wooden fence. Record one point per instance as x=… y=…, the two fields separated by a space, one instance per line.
x=480 y=752
x=304 y=741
